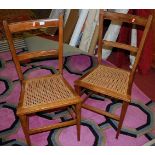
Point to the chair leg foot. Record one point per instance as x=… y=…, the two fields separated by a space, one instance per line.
x=122 y=116
x=25 y=127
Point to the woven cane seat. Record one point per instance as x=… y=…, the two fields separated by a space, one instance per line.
x=47 y=90
x=113 y=81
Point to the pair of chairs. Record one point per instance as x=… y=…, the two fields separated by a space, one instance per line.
x=53 y=92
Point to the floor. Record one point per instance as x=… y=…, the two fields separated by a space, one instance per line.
x=95 y=129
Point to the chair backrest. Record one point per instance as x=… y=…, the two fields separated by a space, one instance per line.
x=31 y=25
x=123 y=18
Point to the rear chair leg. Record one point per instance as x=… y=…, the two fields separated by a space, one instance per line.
x=77 y=89
x=122 y=116
x=25 y=127
x=78 y=118
x=78 y=113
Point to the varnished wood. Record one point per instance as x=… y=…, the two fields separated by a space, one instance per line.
x=29 y=25
x=50 y=127
x=47 y=106
x=101 y=29
x=36 y=54
x=139 y=52
x=33 y=24
x=78 y=118
x=61 y=45
x=13 y=50
x=120 y=17
x=126 y=97
x=24 y=122
x=78 y=112
x=122 y=116
x=23 y=111
x=99 y=111
x=121 y=46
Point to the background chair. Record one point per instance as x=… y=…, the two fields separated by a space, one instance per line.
x=50 y=92
x=108 y=80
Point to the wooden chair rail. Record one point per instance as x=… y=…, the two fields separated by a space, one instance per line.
x=49 y=127
x=33 y=24
x=36 y=54
x=120 y=45
x=123 y=18
x=101 y=112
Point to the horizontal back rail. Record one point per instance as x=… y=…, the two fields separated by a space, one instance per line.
x=120 y=45
x=36 y=54
x=123 y=18
x=30 y=25
x=33 y=24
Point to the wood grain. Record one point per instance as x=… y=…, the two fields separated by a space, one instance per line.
x=93 y=79
x=25 y=109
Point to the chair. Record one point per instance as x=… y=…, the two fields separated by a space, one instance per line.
x=41 y=94
x=108 y=80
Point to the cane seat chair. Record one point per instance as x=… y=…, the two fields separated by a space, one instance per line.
x=46 y=93
x=109 y=80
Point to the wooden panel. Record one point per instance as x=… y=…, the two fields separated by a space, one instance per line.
x=33 y=24
x=120 y=45
x=36 y=54
x=123 y=18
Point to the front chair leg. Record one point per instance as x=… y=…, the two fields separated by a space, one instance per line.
x=78 y=119
x=78 y=112
x=25 y=126
x=122 y=116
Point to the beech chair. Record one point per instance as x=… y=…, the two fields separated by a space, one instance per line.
x=110 y=80
x=47 y=93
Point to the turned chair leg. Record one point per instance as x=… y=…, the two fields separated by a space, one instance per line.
x=122 y=116
x=25 y=126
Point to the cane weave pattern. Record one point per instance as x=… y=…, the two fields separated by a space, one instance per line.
x=46 y=90
x=112 y=79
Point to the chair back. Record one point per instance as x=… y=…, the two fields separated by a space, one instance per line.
x=11 y=28
x=124 y=18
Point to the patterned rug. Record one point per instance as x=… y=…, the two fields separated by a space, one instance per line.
x=138 y=127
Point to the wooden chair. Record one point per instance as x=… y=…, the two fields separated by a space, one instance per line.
x=51 y=92
x=108 y=80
